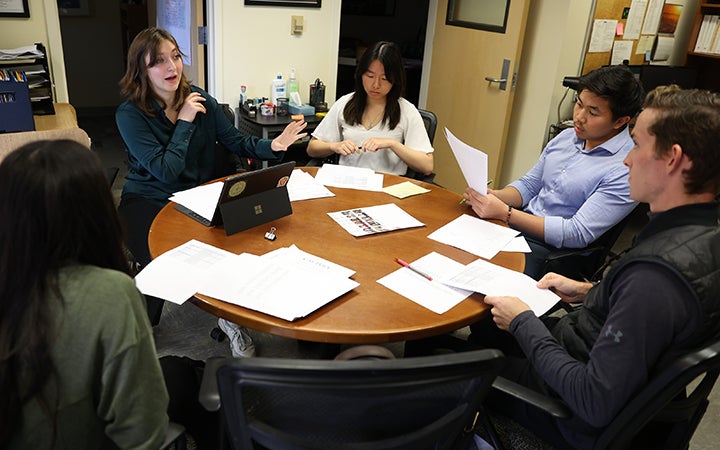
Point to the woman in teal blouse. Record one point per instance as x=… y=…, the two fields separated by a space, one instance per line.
x=170 y=129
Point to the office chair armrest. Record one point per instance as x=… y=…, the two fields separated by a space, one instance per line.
x=555 y=407
x=209 y=396
x=565 y=252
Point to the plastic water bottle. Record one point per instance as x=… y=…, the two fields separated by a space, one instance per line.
x=278 y=89
x=293 y=86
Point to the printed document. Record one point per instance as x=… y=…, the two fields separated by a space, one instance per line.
x=490 y=279
x=433 y=295
x=349 y=177
x=374 y=219
x=176 y=274
x=275 y=286
x=474 y=235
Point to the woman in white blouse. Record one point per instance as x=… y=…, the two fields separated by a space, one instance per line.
x=374 y=127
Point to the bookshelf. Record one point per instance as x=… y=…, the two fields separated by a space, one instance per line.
x=39 y=82
x=704 y=47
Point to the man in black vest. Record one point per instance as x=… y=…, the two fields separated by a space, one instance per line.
x=660 y=299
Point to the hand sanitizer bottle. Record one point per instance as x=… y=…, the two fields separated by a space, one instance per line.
x=293 y=86
x=278 y=89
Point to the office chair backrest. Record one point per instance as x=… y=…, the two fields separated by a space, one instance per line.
x=411 y=403
x=226 y=162
x=663 y=411
x=430 y=120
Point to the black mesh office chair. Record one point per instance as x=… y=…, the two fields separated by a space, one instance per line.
x=411 y=403
x=430 y=122
x=663 y=414
x=226 y=162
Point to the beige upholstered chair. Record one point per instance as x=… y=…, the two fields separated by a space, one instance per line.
x=12 y=141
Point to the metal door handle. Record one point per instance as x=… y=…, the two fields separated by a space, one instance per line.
x=502 y=81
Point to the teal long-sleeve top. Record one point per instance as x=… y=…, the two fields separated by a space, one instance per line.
x=165 y=157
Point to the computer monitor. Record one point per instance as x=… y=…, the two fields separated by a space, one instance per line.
x=652 y=76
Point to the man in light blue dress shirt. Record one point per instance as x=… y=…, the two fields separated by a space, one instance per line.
x=579 y=187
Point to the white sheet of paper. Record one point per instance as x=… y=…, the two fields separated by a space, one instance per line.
x=664 y=48
x=473 y=163
x=652 y=17
x=603 y=33
x=517 y=244
x=349 y=177
x=477 y=236
x=433 y=295
x=202 y=199
x=490 y=279
x=374 y=219
x=302 y=186
x=176 y=274
x=622 y=50
x=635 y=19
x=273 y=287
x=297 y=258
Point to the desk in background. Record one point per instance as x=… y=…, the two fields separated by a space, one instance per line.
x=371 y=313
x=64 y=118
x=270 y=127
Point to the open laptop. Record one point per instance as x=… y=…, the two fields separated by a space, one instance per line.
x=249 y=199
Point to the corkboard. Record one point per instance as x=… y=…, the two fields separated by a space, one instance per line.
x=610 y=10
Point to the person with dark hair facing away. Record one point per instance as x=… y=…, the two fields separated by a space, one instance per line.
x=170 y=129
x=78 y=367
x=374 y=126
x=659 y=300
x=578 y=188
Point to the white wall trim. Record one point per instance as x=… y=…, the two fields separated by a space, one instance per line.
x=55 y=50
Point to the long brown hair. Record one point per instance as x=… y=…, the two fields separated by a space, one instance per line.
x=389 y=54
x=134 y=85
x=57 y=210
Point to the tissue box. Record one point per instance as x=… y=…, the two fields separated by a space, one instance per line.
x=306 y=110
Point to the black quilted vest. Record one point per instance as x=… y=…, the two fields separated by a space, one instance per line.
x=692 y=250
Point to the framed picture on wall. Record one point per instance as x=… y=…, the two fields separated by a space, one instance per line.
x=296 y=3
x=14 y=8
x=73 y=7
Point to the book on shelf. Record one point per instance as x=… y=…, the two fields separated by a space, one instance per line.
x=707 y=35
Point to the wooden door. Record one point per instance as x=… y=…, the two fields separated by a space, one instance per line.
x=473 y=109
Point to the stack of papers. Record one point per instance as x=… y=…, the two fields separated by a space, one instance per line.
x=268 y=283
x=26 y=52
x=452 y=282
x=374 y=219
x=349 y=177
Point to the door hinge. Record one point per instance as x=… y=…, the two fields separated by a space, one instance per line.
x=202 y=35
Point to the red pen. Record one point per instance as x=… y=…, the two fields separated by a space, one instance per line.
x=405 y=264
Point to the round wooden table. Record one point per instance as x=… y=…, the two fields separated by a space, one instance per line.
x=371 y=313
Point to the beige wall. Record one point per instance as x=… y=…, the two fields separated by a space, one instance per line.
x=255 y=44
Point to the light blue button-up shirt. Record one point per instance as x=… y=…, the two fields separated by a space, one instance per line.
x=580 y=193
